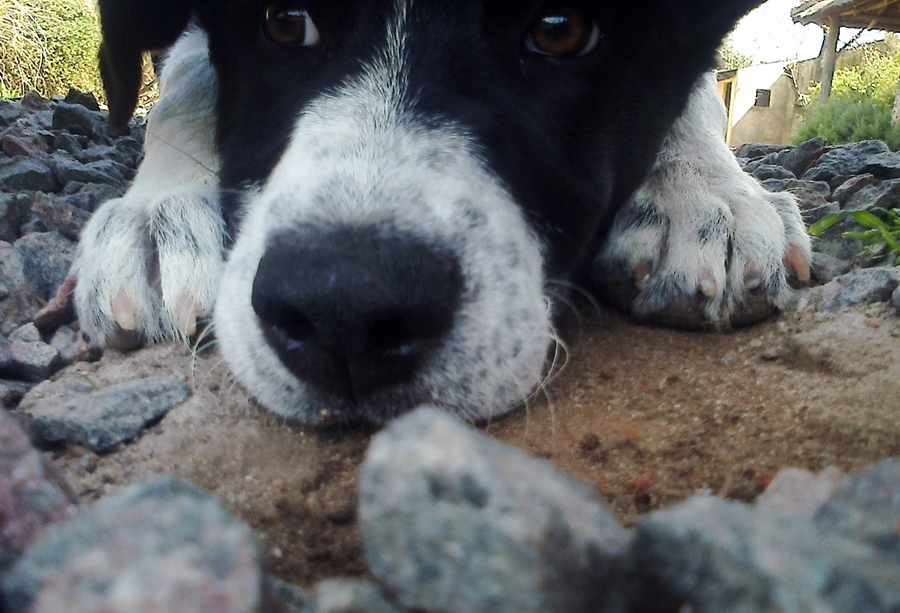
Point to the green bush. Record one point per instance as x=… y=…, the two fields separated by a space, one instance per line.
x=861 y=103
x=843 y=121
x=48 y=46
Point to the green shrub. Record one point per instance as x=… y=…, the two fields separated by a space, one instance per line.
x=843 y=121
x=861 y=103
x=48 y=46
x=874 y=79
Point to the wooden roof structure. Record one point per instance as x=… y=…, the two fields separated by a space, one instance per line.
x=868 y=14
x=833 y=15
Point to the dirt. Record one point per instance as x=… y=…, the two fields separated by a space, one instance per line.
x=650 y=416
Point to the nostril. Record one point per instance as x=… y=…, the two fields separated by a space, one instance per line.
x=294 y=326
x=402 y=334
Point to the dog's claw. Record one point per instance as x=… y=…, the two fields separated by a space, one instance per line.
x=186 y=314
x=753 y=277
x=124 y=312
x=797 y=261
x=642 y=273
x=707 y=284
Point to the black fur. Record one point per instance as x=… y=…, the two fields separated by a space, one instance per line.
x=571 y=138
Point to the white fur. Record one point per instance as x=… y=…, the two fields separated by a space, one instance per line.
x=697 y=186
x=169 y=217
x=358 y=158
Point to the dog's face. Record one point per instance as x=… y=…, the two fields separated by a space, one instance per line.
x=405 y=181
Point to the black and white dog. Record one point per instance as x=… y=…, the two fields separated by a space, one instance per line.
x=379 y=201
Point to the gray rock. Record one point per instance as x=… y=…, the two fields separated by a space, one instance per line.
x=758 y=150
x=97 y=154
x=163 y=545
x=26 y=174
x=884 y=194
x=76 y=119
x=29 y=146
x=58 y=215
x=33 y=495
x=90 y=196
x=850 y=187
x=67 y=143
x=798 y=159
x=725 y=557
x=772 y=171
x=350 y=596
x=866 y=508
x=87 y=100
x=46 y=258
x=811 y=212
x=9 y=112
x=33 y=361
x=131 y=148
x=14 y=209
x=33 y=101
x=865 y=286
x=6 y=358
x=825 y=267
x=820 y=188
x=288 y=598
x=895 y=299
x=12 y=392
x=810 y=193
x=26 y=334
x=798 y=494
x=884 y=165
x=102 y=419
x=19 y=301
x=68 y=343
x=108 y=172
x=455 y=522
x=844 y=161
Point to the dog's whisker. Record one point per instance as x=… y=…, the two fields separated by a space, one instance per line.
x=581 y=291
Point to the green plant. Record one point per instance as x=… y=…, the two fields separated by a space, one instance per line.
x=881 y=238
x=48 y=46
x=841 y=121
x=729 y=59
x=874 y=79
x=861 y=103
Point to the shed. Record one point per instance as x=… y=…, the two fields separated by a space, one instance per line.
x=832 y=15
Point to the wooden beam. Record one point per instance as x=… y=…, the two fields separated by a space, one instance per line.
x=829 y=56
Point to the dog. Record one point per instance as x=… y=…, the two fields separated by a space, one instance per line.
x=380 y=202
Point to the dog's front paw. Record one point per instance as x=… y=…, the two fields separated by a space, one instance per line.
x=147 y=267
x=696 y=250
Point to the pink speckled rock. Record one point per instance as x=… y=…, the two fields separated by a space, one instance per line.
x=33 y=494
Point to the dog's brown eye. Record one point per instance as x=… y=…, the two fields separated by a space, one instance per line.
x=287 y=23
x=563 y=31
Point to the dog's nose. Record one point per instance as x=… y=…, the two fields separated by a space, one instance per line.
x=352 y=311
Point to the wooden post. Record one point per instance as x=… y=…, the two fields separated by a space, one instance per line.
x=895 y=115
x=829 y=56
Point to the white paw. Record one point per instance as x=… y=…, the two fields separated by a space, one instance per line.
x=148 y=266
x=698 y=248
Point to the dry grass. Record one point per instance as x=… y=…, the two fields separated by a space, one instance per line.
x=48 y=46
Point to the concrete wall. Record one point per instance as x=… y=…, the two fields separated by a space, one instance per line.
x=777 y=124
x=773 y=124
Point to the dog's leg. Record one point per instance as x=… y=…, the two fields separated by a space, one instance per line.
x=148 y=263
x=701 y=243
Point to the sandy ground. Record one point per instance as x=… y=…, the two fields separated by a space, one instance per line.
x=648 y=415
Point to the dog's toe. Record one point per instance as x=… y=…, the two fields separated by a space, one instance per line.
x=718 y=260
x=148 y=271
